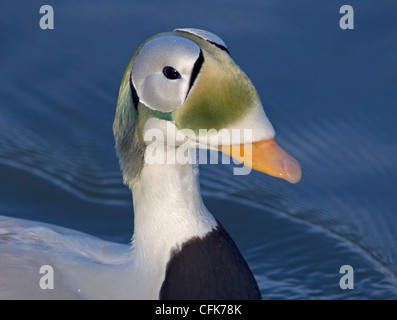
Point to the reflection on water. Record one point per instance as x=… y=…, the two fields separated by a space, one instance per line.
x=332 y=104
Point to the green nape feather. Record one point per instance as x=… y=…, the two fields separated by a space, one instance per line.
x=129 y=149
x=128 y=126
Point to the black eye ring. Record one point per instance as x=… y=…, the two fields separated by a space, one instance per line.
x=171 y=73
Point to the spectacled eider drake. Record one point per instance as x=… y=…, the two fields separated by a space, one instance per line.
x=181 y=88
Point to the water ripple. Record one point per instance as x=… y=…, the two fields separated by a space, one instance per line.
x=76 y=171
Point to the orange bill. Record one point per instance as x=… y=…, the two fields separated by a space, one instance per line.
x=268 y=157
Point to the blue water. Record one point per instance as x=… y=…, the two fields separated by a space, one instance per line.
x=331 y=95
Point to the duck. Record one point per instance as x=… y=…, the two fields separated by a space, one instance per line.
x=180 y=92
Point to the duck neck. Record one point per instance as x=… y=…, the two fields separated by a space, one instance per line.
x=168 y=209
x=179 y=250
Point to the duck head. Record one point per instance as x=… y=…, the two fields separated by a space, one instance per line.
x=186 y=82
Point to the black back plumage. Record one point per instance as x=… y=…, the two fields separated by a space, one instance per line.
x=209 y=268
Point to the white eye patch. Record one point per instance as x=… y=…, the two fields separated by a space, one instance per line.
x=162 y=71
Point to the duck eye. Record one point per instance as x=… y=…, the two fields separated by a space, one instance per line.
x=171 y=73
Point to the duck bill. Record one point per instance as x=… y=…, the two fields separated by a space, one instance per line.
x=268 y=157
